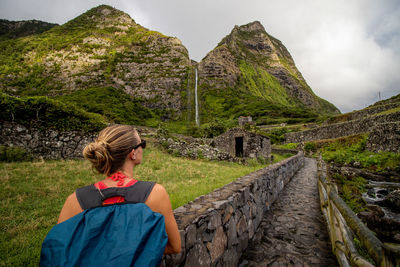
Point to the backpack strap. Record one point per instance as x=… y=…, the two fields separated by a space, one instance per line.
x=91 y=197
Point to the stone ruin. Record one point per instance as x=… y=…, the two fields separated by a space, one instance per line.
x=240 y=143
x=234 y=145
x=245 y=120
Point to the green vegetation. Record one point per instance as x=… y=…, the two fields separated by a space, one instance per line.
x=351 y=149
x=229 y=104
x=43 y=112
x=277 y=136
x=363 y=251
x=33 y=193
x=262 y=84
x=350 y=190
x=112 y=103
x=14 y=154
x=13 y=29
x=32 y=65
x=289 y=146
x=57 y=63
x=389 y=111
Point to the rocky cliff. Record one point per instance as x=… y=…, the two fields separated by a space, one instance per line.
x=253 y=62
x=102 y=47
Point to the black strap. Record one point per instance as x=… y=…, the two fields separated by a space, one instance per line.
x=91 y=197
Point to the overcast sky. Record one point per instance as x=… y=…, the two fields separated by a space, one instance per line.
x=348 y=51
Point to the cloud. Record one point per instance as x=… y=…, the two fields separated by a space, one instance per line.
x=348 y=51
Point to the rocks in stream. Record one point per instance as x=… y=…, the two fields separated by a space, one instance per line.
x=392 y=200
x=386 y=228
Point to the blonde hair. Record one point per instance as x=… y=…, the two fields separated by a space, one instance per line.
x=109 y=151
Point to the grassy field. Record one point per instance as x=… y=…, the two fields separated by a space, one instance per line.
x=33 y=193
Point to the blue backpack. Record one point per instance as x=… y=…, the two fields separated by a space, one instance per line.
x=128 y=234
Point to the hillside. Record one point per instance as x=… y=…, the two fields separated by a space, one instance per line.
x=258 y=70
x=105 y=63
x=16 y=29
x=102 y=48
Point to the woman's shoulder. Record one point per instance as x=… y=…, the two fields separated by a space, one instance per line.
x=71 y=208
x=158 y=198
x=159 y=190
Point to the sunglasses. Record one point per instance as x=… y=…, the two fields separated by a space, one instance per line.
x=142 y=144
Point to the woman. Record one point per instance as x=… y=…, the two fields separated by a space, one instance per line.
x=115 y=153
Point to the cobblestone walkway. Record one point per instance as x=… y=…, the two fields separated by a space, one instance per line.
x=293 y=232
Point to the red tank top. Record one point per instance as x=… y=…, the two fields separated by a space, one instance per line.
x=116 y=199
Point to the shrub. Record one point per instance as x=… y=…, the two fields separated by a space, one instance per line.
x=112 y=103
x=13 y=154
x=289 y=146
x=277 y=136
x=214 y=128
x=43 y=112
x=350 y=190
x=310 y=146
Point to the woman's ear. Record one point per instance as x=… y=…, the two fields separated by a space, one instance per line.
x=132 y=155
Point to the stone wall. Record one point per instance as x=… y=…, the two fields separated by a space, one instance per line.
x=341 y=129
x=359 y=114
x=216 y=228
x=192 y=148
x=253 y=145
x=385 y=137
x=49 y=144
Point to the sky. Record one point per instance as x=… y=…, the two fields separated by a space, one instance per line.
x=348 y=51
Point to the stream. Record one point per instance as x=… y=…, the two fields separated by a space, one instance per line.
x=377 y=193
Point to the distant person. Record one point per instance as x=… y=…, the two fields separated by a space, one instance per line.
x=106 y=223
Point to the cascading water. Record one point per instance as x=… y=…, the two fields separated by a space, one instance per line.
x=196 y=101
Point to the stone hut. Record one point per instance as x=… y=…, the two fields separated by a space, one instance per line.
x=241 y=143
x=245 y=120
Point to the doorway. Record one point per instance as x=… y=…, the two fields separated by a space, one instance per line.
x=239 y=146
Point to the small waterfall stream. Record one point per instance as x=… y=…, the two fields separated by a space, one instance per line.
x=196 y=101
x=377 y=193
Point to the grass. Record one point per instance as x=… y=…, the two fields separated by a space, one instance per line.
x=351 y=149
x=350 y=190
x=390 y=111
x=289 y=146
x=32 y=193
x=262 y=84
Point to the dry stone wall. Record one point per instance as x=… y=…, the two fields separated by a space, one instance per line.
x=342 y=129
x=49 y=144
x=385 y=137
x=216 y=228
x=193 y=149
x=359 y=114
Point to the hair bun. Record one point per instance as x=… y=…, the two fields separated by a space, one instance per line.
x=97 y=153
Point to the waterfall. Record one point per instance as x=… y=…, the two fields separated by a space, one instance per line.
x=196 y=101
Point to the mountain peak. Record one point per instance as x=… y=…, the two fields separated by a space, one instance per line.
x=249 y=59
x=104 y=10
x=252 y=26
x=102 y=16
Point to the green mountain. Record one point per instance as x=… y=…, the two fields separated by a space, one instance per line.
x=102 y=48
x=259 y=75
x=16 y=29
x=103 y=62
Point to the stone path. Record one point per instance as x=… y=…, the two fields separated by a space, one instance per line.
x=293 y=232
